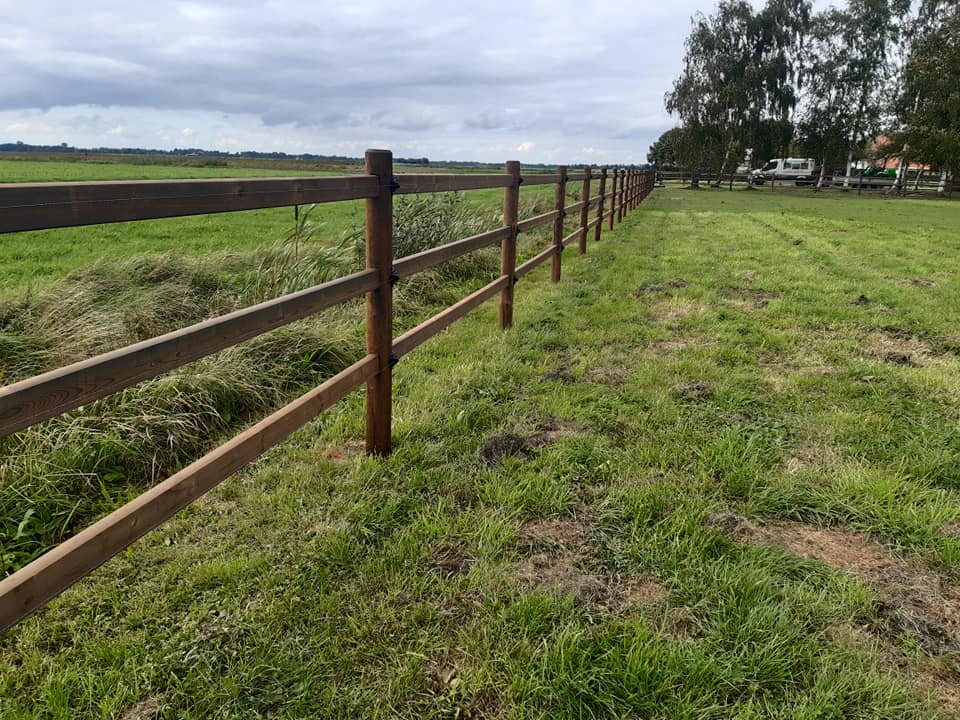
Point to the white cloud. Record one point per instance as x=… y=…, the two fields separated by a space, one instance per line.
x=437 y=79
x=118 y=130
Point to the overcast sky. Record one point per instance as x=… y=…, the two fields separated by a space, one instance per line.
x=494 y=80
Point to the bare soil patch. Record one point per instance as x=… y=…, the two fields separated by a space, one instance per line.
x=613 y=376
x=897 y=345
x=921 y=282
x=525 y=446
x=145 y=710
x=755 y=298
x=671 y=284
x=552 y=531
x=503 y=445
x=917 y=600
x=693 y=391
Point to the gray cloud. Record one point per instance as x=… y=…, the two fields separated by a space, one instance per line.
x=424 y=77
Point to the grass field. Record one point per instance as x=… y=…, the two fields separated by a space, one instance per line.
x=713 y=473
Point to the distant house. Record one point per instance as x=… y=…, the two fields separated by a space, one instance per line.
x=882 y=155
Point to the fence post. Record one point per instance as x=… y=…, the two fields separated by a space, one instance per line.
x=613 y=198
x=603 y=188
x=508 y=246
x=622 y=184
x=634 y=177
x=560 y=199
x=585 y=210
x=379 y=257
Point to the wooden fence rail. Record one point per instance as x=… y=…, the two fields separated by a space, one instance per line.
x=35 y=206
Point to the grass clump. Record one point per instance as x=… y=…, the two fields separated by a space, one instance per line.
x=57 y=476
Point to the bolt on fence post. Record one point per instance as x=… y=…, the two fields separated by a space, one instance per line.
x=560 y=198
x=613 y=198
x=603 y=187
x=508 y=246
x=379 y=257
x=585 y=210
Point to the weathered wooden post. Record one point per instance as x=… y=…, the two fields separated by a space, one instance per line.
x=585 y=210
x=613 y=198
x=379 y=257
x=560 y=199
x=508 y=246
x=623 y=194
x=603 y=188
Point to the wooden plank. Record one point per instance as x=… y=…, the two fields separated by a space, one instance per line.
x=408 y=184
x=593 y=223
x=534 y=261
x=45 y=396
x=575 y=207
x=508 y=246
x=573 y=236
x=426 y=330
x=46 y=577
x=37 y=206
x=536 y=221
x=379 y=259
x=540 y=179
x=572 y=177
x=412 y=264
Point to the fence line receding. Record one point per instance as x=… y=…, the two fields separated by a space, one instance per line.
x=36 y=206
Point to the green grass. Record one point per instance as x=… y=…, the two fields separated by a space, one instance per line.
x=628 y=414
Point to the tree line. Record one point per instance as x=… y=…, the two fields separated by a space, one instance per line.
x=874 y=77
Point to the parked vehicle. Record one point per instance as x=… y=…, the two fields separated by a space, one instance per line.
x=802 y=171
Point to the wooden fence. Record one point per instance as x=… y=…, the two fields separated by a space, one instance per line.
x=912 y=185
x=52 y=205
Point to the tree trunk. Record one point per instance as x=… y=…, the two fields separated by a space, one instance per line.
x=942 y=187
x=916 y=184
x=823 y=174
x=846 y=179
x=723 y=165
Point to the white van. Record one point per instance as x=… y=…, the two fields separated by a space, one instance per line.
x=802 y=171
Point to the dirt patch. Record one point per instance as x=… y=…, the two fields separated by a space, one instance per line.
x=671 y=284
x=756 y=298
x=612 y=376
x=347 y=452
x=693 y=391
x=896 y=345
x=563 y=574
x=145 y=710
x=921 y=282
x=563 y=372
x=552 y=531
x=676 y=309
x=862 y=300
x=509 y=444
x=451 y=562
x=641 y=591
x=916 y=600
x=900 y=358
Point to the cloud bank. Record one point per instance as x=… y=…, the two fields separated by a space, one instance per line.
x=544 y=82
